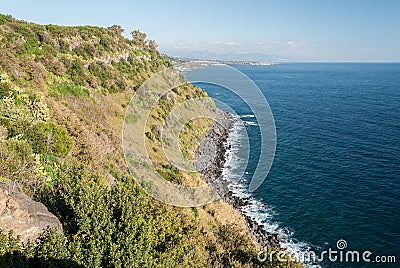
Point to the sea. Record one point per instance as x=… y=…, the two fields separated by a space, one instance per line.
x=336 y=172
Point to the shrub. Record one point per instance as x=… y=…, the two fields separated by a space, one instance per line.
x=17 y=163
x=49 y=138
x=20 y=148
x=5 y=19
x=76 y=72
x=22 y=107
x=5 y=87
x=49 y=250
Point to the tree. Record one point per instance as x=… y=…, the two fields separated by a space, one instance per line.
x=116 y=29
x=138 y=37
x=152 y=45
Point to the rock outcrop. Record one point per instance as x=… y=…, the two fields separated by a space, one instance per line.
x=21 y=214
x=210 y=162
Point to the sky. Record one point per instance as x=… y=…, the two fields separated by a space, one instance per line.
x=302 y=30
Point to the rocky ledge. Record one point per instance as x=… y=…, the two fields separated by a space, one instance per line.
x=210 y=162
x=21 y=214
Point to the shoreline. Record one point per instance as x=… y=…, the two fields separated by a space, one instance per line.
x=211 y=159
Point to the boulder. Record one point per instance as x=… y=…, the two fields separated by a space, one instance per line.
x=20 y=213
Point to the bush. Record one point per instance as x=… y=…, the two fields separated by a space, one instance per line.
x=24 y=107
x=49 y=251
x=49 y=138
x=15 y=128
x=20 y=148
x=113 y=227
x=17 y=163
x=5 y=19
x=5 y=87
x=76 y=72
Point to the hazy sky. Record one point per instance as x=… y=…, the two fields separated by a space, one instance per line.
x=303 y=30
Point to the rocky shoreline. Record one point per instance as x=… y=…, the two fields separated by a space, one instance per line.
x=211 y=157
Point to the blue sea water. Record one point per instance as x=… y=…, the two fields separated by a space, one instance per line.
x=336 y=173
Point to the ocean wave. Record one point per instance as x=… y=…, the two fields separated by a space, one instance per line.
x=247 y=116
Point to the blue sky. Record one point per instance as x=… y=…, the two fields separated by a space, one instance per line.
x=302 y=30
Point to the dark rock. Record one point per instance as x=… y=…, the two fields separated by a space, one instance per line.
x=210 y=162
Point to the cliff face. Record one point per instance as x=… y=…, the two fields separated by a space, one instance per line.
x=63 y=95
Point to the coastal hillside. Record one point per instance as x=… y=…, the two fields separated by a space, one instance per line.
x=63 y=96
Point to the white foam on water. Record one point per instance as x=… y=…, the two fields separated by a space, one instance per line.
x=248 y=116
x=250 y=123
x=256 y=209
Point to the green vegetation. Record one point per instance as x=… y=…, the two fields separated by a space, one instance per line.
x=121 y=227
x=49 y=138
x=63 y=94
x=66 y=88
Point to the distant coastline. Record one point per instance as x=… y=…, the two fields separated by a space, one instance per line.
x=207 y=62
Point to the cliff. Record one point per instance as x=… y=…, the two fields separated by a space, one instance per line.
x=63 y=96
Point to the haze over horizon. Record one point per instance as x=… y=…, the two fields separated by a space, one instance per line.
x=307 y=30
